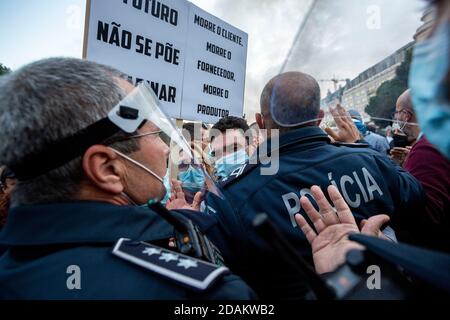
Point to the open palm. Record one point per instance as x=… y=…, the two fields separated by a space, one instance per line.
x=329 y=241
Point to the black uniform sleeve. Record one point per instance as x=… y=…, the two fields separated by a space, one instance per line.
x=230 y=288
x=407 y=192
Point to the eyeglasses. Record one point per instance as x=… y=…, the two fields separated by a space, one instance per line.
x=396 y=114
x=164 y=137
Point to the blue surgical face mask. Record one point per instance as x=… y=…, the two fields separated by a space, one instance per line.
x=166 y=182
x=361 y=126
x=429 y=90
x=227 y=164
x=192 y=179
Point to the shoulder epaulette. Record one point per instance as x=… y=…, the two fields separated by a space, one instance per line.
x=188 y=271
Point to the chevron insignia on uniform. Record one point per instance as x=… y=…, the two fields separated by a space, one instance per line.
x=180 y=268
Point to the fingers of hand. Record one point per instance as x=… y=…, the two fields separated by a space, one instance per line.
x=342 y=117
x=178 y=190
x=306 y=228
x=331 y=133
x=337 y=119
x=313 y=214
x=362 y=224
x=176 y=185
x=373 y=225
x=343 y=113
x=197 y=200
x=327 y=212
x=343 y=211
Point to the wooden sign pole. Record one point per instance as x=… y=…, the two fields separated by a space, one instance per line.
x=86 y=28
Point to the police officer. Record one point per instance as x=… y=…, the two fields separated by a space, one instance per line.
x=87 y=150
x=302 y=155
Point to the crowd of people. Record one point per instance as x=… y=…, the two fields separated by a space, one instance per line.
x=89 y=165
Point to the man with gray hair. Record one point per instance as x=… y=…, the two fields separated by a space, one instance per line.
x=369 y=182
x=87 y=150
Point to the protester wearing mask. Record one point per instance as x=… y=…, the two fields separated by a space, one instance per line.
x=405 y=128
x=190 y=179
x=376 y=141
x=429 y=157
x=430 y=81
x=81 y=181
x=197 y=134
x=229 y=145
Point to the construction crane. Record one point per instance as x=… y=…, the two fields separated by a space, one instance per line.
x=335 y=81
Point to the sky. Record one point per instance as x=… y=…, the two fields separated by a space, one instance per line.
x=340 y=38
x=343 y=38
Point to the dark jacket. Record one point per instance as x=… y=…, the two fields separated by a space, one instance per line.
x=431 y=227
x=370 y=182
x=45 y=242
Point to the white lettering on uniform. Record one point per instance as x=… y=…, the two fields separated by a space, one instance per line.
x=357 y=201
x=360 y=187
x=292 y=200
x=371 y=188
x=292 y=210
x=238 y=171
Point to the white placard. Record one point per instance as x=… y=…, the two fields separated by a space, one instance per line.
x=214 y=76
x=161 y=42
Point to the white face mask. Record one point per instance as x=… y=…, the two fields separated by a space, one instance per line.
x=165 y=181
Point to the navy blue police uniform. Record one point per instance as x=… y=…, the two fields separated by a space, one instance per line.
x=95 y=250
x=370 y=183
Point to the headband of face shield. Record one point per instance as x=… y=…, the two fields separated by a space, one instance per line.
x=128 y=116
x=287 y=116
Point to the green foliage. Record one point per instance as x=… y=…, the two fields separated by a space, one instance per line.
x=4 y=69
x=382 y=105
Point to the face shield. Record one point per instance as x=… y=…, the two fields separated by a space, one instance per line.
x=140 y=107
x=129 y=116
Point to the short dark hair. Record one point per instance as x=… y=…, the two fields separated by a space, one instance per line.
x=229 y=123
x=190 y=129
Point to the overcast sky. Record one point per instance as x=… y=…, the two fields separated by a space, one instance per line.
x=340 y=38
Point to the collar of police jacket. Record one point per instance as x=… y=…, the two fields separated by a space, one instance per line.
x=81 y=222
x=297 y=137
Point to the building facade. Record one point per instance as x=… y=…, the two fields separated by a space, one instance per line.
x=356 y=93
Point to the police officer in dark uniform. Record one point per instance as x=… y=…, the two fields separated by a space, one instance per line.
x=298 y=156
x=87 y=150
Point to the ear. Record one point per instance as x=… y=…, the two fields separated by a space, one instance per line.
x=260 y=120
x=102 y=167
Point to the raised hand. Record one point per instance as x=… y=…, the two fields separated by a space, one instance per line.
x=347 y=131
x=329 y=240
